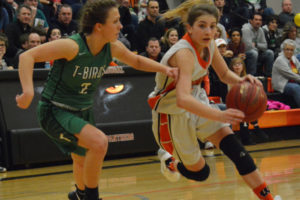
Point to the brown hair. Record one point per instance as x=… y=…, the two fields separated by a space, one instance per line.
x=165 y=38
x=190 y=10
x=93 y=12
x=238 y=60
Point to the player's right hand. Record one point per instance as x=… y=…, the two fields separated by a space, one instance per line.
x=232 y=116
x=24 y=100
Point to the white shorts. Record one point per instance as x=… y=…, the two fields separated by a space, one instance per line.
x=178 y=133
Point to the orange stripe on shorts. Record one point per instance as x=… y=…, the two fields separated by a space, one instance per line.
x=165 y=138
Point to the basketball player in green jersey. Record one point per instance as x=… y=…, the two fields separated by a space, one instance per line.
x=64 y=111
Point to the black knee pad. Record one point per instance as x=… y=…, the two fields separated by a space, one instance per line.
x=201 y=175
x=238 y=154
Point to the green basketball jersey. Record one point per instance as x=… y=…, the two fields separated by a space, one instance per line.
x=74 y=82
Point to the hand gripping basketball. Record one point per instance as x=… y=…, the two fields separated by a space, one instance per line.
x=249 y=98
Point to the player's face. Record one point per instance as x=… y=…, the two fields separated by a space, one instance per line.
x=112 y=26
x=203 y=30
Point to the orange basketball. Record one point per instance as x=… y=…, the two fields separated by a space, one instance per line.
x=249 y=98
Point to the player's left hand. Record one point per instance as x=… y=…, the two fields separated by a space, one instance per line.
x=172 y=72
x=252 y=80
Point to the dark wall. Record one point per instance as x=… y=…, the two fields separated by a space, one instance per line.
x=125 y=117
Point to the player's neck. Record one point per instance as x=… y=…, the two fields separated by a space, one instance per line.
x=95 y=43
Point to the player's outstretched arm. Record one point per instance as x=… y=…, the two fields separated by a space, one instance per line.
x=64 y=48
x=138 y=62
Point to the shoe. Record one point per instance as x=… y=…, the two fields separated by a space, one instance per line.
x=260 y=135
x=277 y=197
x=248 y=141
x=208 y=145
x=76 y=194
x=167 y=166
x=2 y=169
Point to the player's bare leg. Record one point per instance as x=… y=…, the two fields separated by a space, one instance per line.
x=87 y=171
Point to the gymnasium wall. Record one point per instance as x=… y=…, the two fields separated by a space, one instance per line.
x=125 y=117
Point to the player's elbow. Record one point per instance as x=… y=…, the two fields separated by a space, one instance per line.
x=181 y=101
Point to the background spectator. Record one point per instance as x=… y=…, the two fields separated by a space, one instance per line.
x=34 y=40
x=153 y=50
x=224 y=17
x=38 y=18
x=286 y=14
x=149 y=27
x=261 y=7
x=290 y=32
x=217 y=87
x=256 y=48
x=236 y=45
x=53 y=34
x=64 y=21
x=286 y=72
x=238 y=66
x=169 y=39
x=4 y=64
x=15 y=29
x=272 y=35
x=4 y=19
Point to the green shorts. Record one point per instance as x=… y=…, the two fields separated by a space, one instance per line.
x=61 y=126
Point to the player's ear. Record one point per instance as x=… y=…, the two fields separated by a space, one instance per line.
x=188 y=28
x=98 y=26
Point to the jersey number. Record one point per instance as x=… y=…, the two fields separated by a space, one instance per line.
x=84 y=87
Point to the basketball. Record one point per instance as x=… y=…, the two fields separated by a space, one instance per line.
x=297 y=19
x=249 y=98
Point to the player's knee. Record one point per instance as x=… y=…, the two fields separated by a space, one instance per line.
x=237 y=153
x=99 y=144
x=201 y=175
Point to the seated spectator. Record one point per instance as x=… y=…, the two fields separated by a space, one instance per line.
x=272 y=35
x=290 y=32
x=218 y=33
x=169 y=39
x=53 y=34
x=4 y=64
x=238 y=66
x=236 y=45
x=4 y=18
x=76 y=6
x=217 y=87
x=38 y=18
x=286 y=14
x=42 y=33
x=34 y=40
x=261 y=7
x=129 y=22
x=239 y=12
x=11 y=7
x=222 y=46
x=142 y=9
x=257 y=48
x=286 y=72
x=224 y=17
x=153 y=50
x=15 y=29
x=149 y=27
x=64 y=21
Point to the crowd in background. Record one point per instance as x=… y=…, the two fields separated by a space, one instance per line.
x=266 y=43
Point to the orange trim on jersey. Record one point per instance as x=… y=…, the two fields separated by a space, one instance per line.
x=153 y=101
x=202 y=62
x=164 y=133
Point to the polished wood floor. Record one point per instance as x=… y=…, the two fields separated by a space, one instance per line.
x=140 y=178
